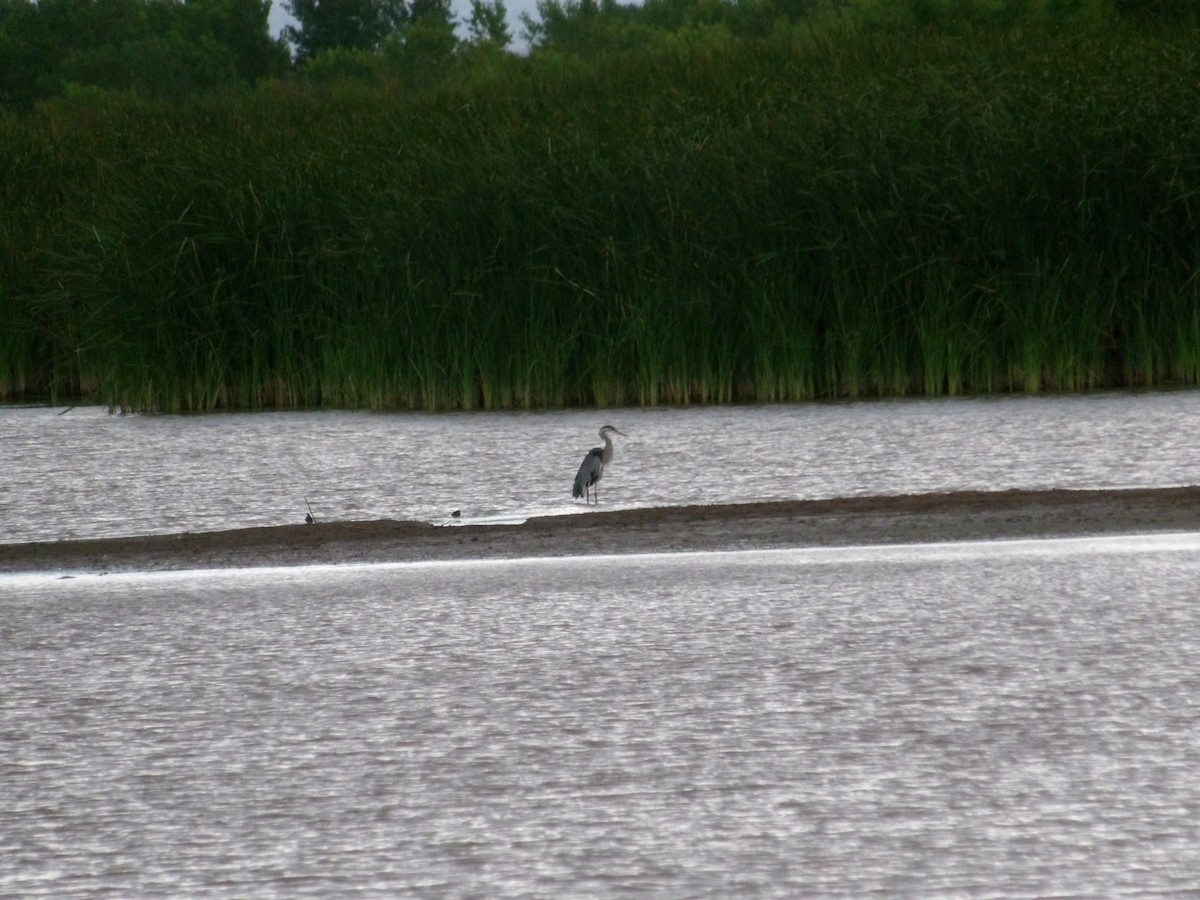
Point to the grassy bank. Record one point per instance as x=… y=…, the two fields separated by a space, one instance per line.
x=845 y=211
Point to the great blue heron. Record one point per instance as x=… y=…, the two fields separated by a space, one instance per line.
x=592 y=469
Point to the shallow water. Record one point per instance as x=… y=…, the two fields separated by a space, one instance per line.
x=87 y=474
x=1013 y=719
x=1010 y=718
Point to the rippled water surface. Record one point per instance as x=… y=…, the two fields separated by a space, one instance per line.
x=1013 y=719
x=85 y=473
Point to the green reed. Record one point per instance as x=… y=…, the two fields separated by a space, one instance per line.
x=838 y=211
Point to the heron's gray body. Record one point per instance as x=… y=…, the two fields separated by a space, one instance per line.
x=592 y=469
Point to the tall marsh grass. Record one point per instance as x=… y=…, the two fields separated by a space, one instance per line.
x=838 y=212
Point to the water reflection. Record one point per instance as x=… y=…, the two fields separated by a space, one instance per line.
x=89 y=474
x=1011 y=719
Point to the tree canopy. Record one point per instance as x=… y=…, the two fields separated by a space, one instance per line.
x=157 y=48
x=342 y=24
x=170 y=49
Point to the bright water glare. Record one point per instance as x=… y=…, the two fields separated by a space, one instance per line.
x=1005 y=719
x=85 y=473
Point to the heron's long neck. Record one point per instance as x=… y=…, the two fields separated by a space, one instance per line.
x=606 y=457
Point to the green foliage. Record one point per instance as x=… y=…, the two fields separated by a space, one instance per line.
x=585 y=28
x=837 y=209
x=1158 y=10
x=242 y=28
x=325 y=25
x=488 y=23
x=158 y=48
x=357 y=68
x=413 y=50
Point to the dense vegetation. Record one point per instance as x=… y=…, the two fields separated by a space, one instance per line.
x=696 y=202
x=159 y=48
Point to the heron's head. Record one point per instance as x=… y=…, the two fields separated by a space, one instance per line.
x=611 y=429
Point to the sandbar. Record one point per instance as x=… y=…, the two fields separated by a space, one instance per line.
x=907 y=519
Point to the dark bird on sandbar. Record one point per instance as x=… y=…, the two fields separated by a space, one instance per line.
x=592 y=469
